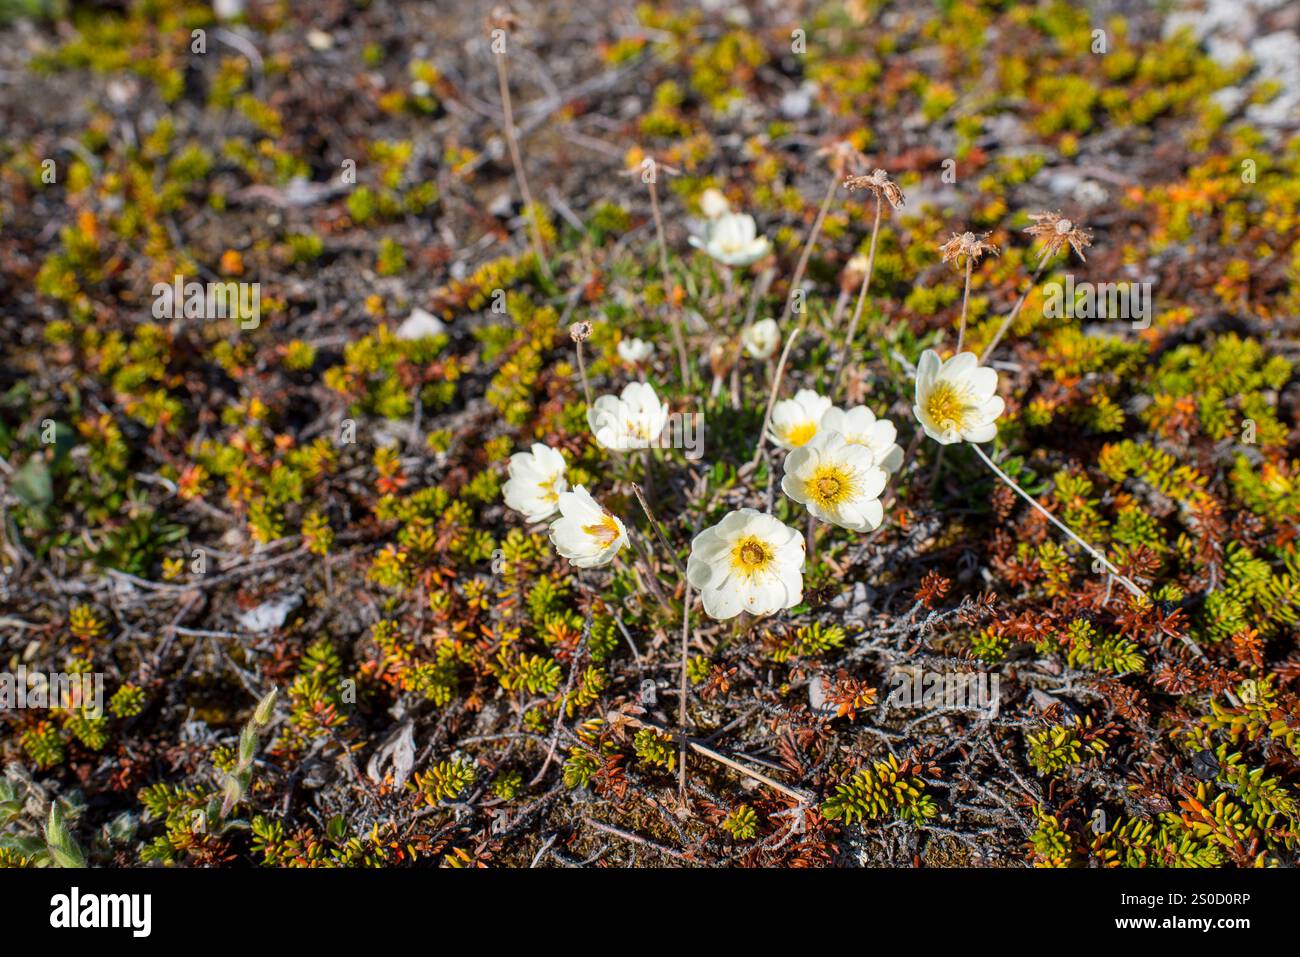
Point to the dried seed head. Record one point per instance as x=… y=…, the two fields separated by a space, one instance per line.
x=967 y=245
x=1056 y=231
x=879 y=184
x=580 y=331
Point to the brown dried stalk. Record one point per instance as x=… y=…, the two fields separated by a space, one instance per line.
x=884 y=189
x=502 y=19
x=972 y=248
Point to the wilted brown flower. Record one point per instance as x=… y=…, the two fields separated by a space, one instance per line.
x=880 y=184
x=968 y=245
x=1055 y=231
x=579 y=331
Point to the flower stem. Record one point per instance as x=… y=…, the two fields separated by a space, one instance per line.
x=802 y=265
x=686 y=629
x=682 y=689
x=776 y=389
x=1011 y=316
x=654 y=524
x=1134 y=589
x=538 y=250
x=582 y=372
x=965 y=300
x=679 y=340
x=862 y=299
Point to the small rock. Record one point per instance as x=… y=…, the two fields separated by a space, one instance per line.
x=398 y=751
x=817 y=699
x=270 y=614
x=421 y=325
x=796 y=104
x=1090 y=193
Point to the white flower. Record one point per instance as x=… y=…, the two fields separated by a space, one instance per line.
x=713 y=204
x=750 y=562
x=860 y=426
x=732 y=239
x=761 y=339
x=795 y=421
x=635 y=350
x=837 y=480
x=630 y=421
x=585 y=533
x=956 y=400
x=536 y=482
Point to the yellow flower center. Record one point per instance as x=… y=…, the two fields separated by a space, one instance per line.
x=548 y=489
x=751 y=555
x=945 y=406
x=798 y=435
x=605 y=531
x=830 y=485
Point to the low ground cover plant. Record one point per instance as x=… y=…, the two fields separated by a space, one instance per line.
x=861 y=437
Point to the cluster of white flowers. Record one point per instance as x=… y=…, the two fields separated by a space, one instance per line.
x=839 y=459
x=837 y=465
x=798 y=421
x=585 y=533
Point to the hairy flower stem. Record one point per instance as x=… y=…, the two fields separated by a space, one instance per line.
x=938 y=467
x=513 y=144
x=776 y=389
x=965 y=301
x=643 y=555
x=1011 y=316
x=862 y=301
x=961 y=337
x=582 y=373
x=712 y=755
x=802 y=799
x=808 y=245
x=1134 y=589
x=686 y=628
x=682 y=688
x=658 y=530
x=840 y=302
x=679 y=340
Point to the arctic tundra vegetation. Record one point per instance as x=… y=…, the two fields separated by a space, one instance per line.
x=730 y=435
